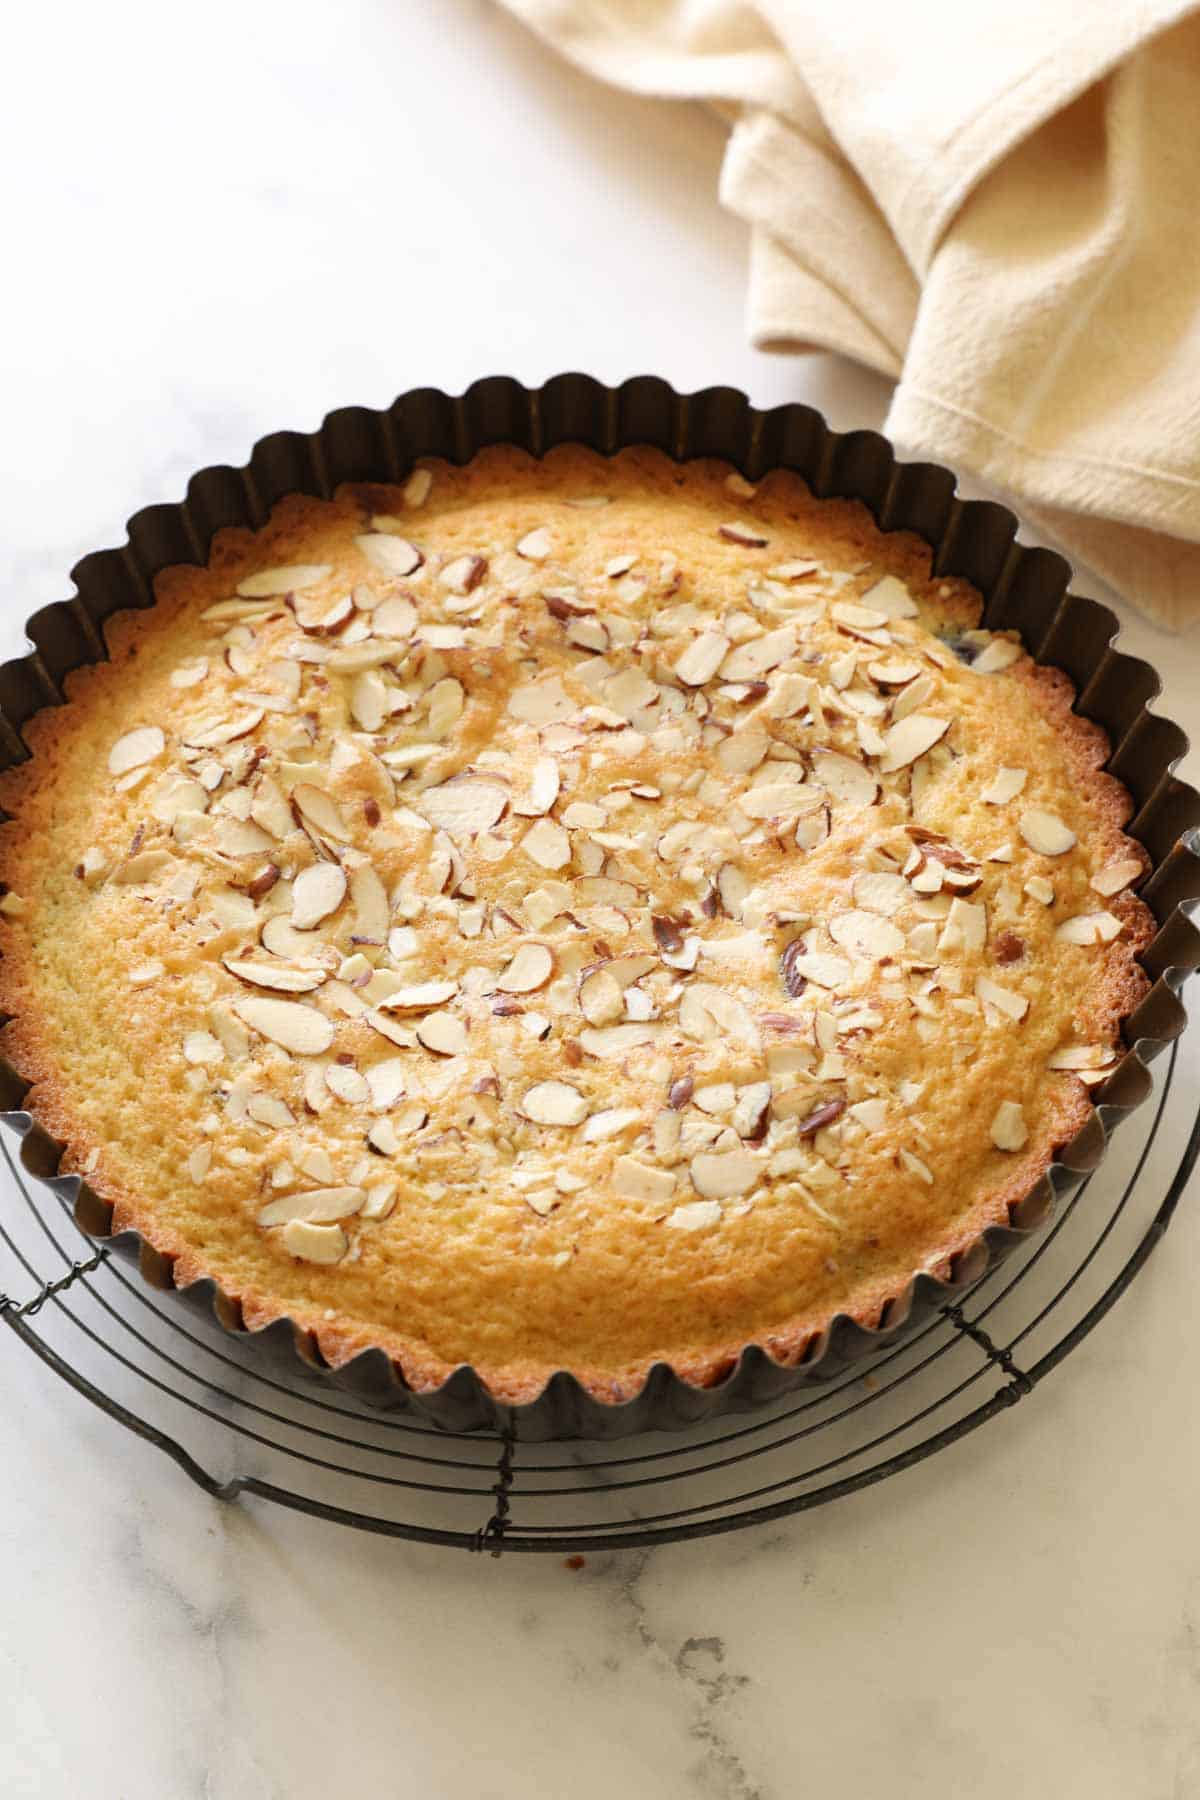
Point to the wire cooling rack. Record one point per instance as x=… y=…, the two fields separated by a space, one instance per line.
x=237 y=1429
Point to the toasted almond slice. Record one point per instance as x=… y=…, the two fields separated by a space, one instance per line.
x=1008 y=1129
x=1004 y=1000
x=866 y=934
x=347 y=1084
x=739 y=532
x=464 y=574
x=314 y=1243
x=846 y=781
x=733 y=887
x=694 y=1215
x=1115 y=876
x=142 y=974
x=1090 y=928
x=894 y=671
x=321 y=617
x=701 y=659
x=535 y=546
x=1045 y=832
x=369 y=701
x=211 y=734
x=723 y=1174
x=610 y=1123
x=131 y=873
x=283 y=580
x=276 y=975
x=135 y=749
x=544 y=784
x=321 y=811
x=880 y=892
x=1004 y=786
x=463 y=806
x=1000 y=654
x=860 y=618
x=1082 y=1056
x=547 y=844
x=199 y=1163
x=752 y=660
x=530 y=968
x=316 y=892
x=394 y=618
x=319 y=1206
x=390 y=554
x=910 y=738
x=421 y=996
x=289 y=1023
x=891 y=598
x=634 y=1180
x=609 y=1042
x=600 y=998
x=387 y=1081
x=369 y=898
x=269 y=1109
x=554 y=1103
x=190 y=673
x=202 y=1047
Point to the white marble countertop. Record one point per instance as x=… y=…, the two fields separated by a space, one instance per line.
x=226 y=219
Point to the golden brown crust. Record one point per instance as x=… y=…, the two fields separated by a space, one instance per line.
x=43 y=796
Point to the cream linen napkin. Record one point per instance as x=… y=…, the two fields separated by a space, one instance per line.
x=994 y=202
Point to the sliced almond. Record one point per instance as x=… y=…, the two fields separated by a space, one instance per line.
x=314 y=1243
x=912 y=737
x=135 y=749
x=866 y=934
x=1003 y=1000
x=316 y=892
x=609 y=1124
x=202 y=1047
x=1008 y=1130
x=295 y=1027
x=212 y=734
x=610 y=1042
x=535 y=546
x=890 y=597
x=694 y=1215
x=1004 y=786
x=386 y=1081
x=273 y=974
x=347 y=1084
x=894 y=671
x=544 y=784
x=547 y=844
x=442 y=1033
x=464 y=574
x=554 y=1103
x=723 y=1174
x=463 y=806
x=421 y=996
x=739 y=532
x=1045 y=832
x=391 y=555
x=1082 y=1056
x=1090 y=928
x=1000 y=654
x=846 y=781
x=284 y=580
x=701 y=659
x=1115 y=876
x=321 y=811
x=531 y=968
x=752 y=660
x=639 y=1181
x=600 y=998
x=368 y=896
x=320 y=1206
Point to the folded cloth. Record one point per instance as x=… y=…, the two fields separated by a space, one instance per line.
x=994 y=204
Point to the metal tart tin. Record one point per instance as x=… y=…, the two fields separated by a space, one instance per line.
x=1025 y=589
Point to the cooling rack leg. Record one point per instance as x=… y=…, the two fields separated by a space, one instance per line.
x=491 y=1536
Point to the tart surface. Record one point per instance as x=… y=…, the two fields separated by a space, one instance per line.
x=574 y=913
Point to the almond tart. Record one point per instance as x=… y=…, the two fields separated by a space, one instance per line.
x=574 y=913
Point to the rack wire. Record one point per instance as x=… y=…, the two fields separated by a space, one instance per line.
x=240 y=1429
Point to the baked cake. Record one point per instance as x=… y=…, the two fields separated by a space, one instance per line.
x=565 y=914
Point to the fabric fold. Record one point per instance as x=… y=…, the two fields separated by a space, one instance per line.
x=995 y=208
